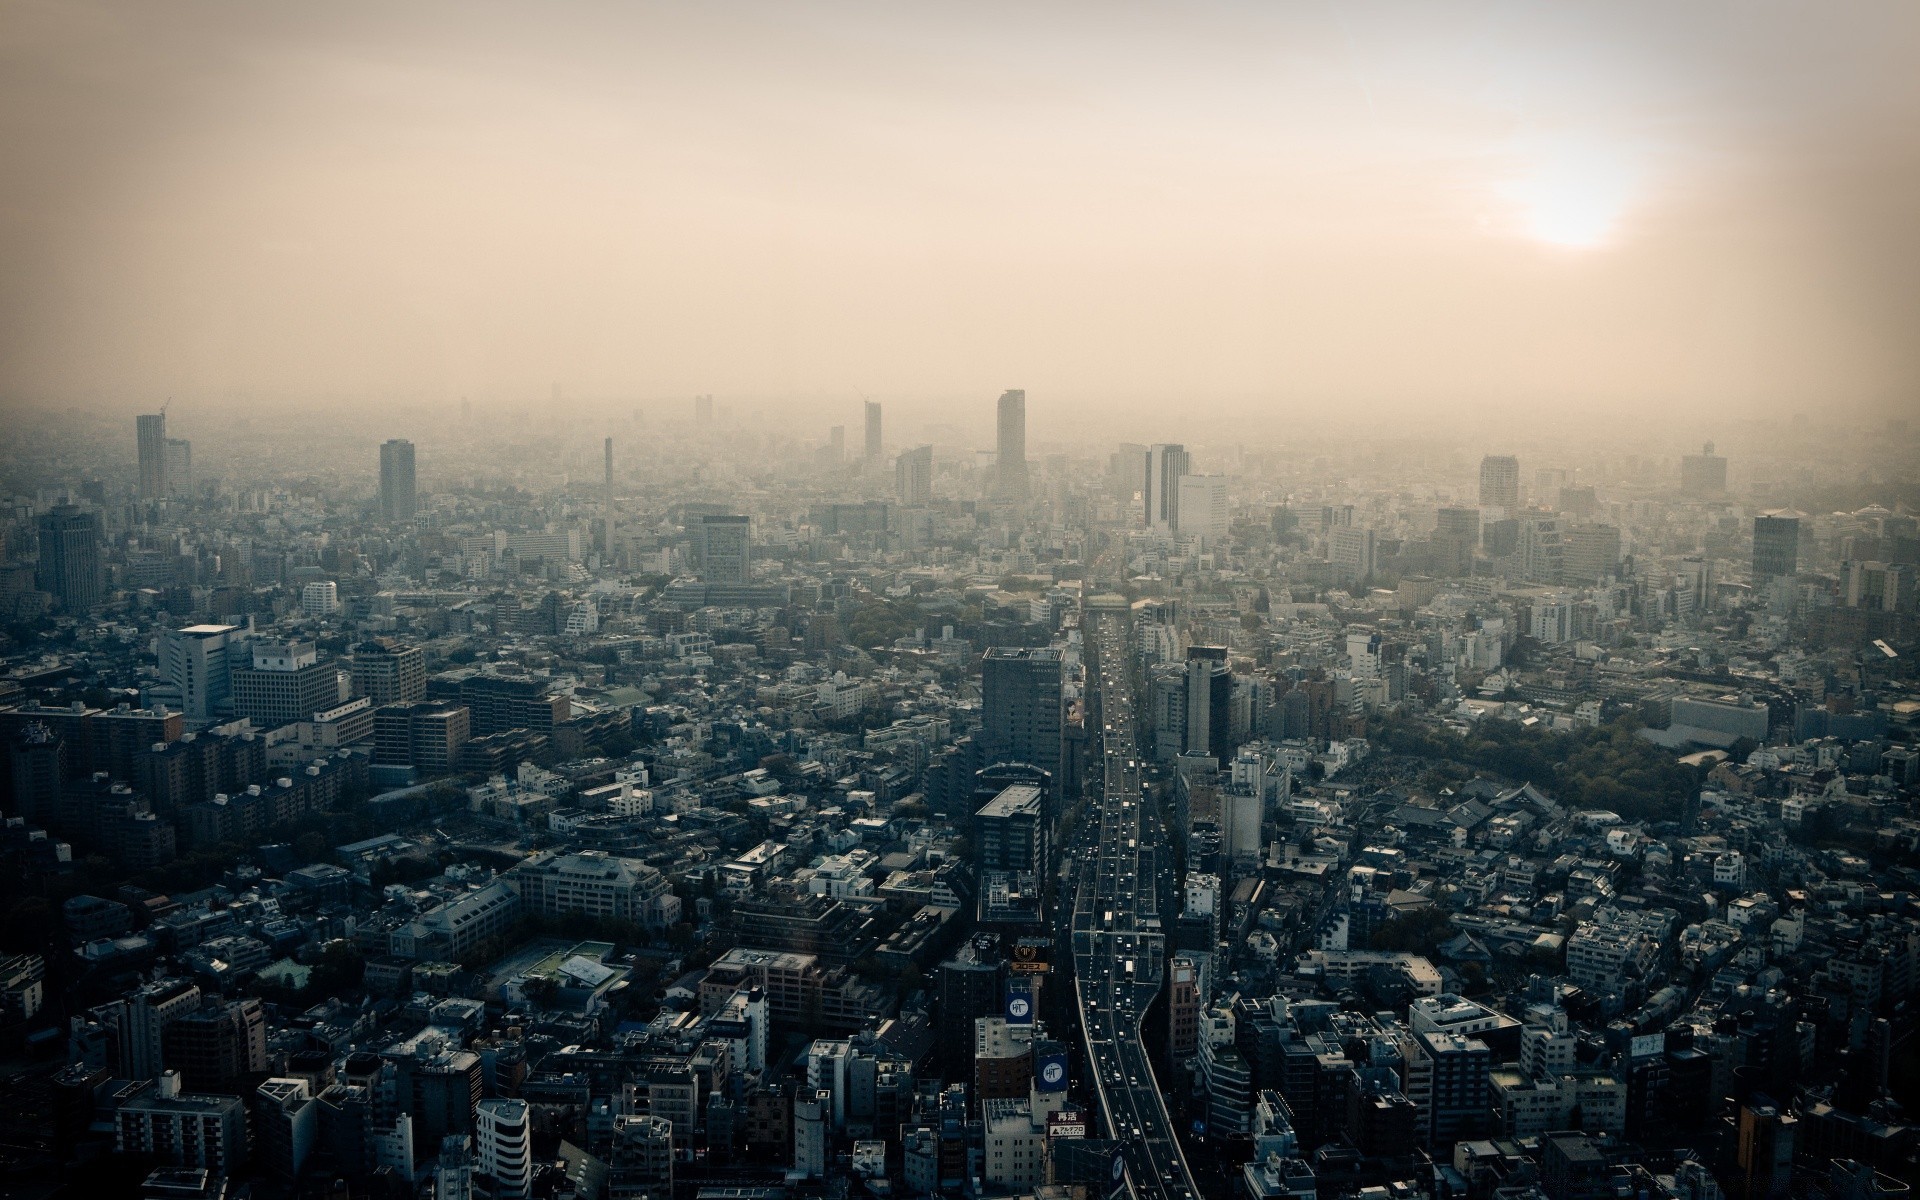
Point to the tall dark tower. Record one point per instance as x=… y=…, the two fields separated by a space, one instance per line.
x=606 y=518
x=397 y=499
x=1776 y=545
x=873 y=431
x=1011 y=460
x=70 y=557
x=151 y=429
x=1021 y=707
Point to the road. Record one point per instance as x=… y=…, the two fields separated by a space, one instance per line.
x=1119 y=948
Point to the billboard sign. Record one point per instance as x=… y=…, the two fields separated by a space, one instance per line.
x=1050 y=1072
x=1019 y=1002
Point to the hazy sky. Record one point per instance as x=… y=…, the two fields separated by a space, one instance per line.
x=1695 y=205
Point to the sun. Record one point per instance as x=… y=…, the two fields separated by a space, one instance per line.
x=1572 y=195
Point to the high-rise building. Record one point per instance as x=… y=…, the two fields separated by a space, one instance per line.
x=1764 y=1151
x=424 y=735
x=1590 y=553
x=217 y=1047
x=873 y=431
x=1776 y=545
x=1020 y=706
x=1010 y=461
x=286 y=1123
x=1166 y=463
x=1500 y=483
x=69 y=565
x=320 y=598
x=1353 y=551
x=1542 y=550
x=1127 y=471
x=179 y=467
x=1010 y=832
x=503 y=1145
x=151 y=429
x=606 y=511
x=286 y=682
x=386 y=671
x=837 y=443
x=196 y=668
x=1203 y=508
x=724 y=549
x=1209 y=702
x=182 y=1129
x=913 y=476
x=1703 y=474
x=397 y=501
x=1183 y=1009
x=703 y=410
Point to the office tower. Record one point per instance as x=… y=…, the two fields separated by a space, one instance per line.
x=703 y=410
x=606 y=512
x=1127 y=470
x=1010 y=832
x=723 y=548
x=320 y=598
x=1590 y=553
x=140 y=1022
x=151 y=430
x=1764 y=1151
x=69 y=565
x=1878 y=586
x=397 y=500
x=1209 y=702
x=1542 y=549
x=196 y=668
x=1203 y=508
x=1020 y=707
x=503 y=1143
x=1776 y=545
x=873 y=432
x=183 y=1129
x=1010 y=460
x=1183 y=1009
x=1353 y=552
x=179 y=467
x=1165 y=465
x=1500 y=483
x=286 y=1123
x=913 y=476
x=217 y=1047
x=286 y=682
x=386 y=671
x=1458 y=524
x=1704 y=474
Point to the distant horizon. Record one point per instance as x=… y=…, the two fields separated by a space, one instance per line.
x=1632 y=208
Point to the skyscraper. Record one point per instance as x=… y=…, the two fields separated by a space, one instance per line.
x=1203 y=507
x=1500 y=482
x=1020 y=707
x=606 y=514
x=151 y=429
x=397 y=500
x=179 y=466
x=913 y=476
x=70 y=557
x=1703 y=474
x=724 y=549
x=1776 y=545
x=1010 y=463
x=1166 y=463
x=873 y=431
